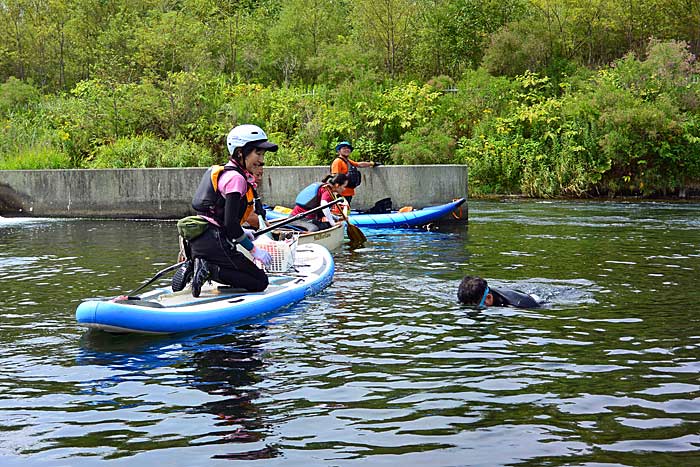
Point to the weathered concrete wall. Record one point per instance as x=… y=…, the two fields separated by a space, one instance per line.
x=137 y=193
x=166 y=193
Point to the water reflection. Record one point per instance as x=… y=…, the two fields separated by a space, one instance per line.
x=224 y=365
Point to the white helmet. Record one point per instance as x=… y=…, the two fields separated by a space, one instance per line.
x=243 y=134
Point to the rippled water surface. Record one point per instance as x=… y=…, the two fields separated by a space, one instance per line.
x=383 y=368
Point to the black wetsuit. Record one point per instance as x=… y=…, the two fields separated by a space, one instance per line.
x=234 y=269
x=516 y=298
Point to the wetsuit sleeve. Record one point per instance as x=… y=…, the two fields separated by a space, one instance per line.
x=516 y=298
x=232 y=220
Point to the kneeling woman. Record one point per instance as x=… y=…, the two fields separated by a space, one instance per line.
x=225 y=197
x=315 y=195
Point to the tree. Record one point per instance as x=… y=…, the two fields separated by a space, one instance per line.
x=13 y=17
x=388 y=25
x=230 y=27
x=171 y=42
x=453 y=34
x=301 y=30
x=686 y=26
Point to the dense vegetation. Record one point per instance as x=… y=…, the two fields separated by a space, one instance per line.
x=540 y=97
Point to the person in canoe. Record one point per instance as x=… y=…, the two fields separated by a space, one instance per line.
x=315 y=195
x=225 y=198
x=342 y=164
x=253 y=220
x=475 y=291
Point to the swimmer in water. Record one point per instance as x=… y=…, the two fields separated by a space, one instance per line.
x=476 y=291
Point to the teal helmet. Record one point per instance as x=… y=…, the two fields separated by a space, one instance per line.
x=342 y=144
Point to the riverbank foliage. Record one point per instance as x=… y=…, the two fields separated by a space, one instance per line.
x=543 y=98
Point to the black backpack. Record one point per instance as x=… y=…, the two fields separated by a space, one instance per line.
x=354 y=175
x=383 y=206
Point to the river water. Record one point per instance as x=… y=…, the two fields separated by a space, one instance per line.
x=384 y=367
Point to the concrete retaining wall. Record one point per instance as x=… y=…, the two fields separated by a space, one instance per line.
x=166 y=193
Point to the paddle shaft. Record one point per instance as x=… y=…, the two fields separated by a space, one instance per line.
x=256 y=234
x=294 y=218
x=158 y=274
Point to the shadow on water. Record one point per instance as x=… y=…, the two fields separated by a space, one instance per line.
x=225 y=363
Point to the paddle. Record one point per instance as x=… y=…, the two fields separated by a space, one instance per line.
x=158 y=275
x=296 y=217
x=356 y=235
x=255 y=234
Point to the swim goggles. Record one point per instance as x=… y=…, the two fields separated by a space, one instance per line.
x=483 y=299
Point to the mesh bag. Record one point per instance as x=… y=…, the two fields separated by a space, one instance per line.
x=282 y=252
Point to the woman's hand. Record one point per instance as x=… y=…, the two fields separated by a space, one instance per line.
x=261 y=255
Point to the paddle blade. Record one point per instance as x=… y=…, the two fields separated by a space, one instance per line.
x=355 y=234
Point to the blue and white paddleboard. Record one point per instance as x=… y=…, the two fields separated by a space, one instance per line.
x=162 y=311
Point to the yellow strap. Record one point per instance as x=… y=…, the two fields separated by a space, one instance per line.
x=250 y=198
x=215 y=172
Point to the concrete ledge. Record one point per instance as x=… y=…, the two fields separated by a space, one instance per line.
x=166 y=193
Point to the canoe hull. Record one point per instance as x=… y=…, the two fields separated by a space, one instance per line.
x=331 y=238
x=163 y=311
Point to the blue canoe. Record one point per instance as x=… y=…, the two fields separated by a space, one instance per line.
x=395 y=219
x=162 y=311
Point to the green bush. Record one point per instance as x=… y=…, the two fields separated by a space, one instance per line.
x=149 y=151
x=26 y=143
x=424 y=145
x=367 y=149
x=632 y=127
x=647 y=129
x=398 y=109
x=16 y=95
x=517 y=48
x=492 y=165
x=36 y=158
x=616 y=135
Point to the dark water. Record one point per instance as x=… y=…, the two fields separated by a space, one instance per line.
x=383 y=368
